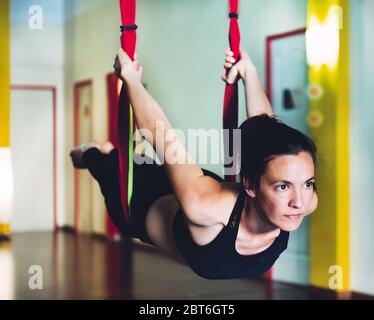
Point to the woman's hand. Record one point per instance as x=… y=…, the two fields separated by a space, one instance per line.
x=233 y=71
x=125 y=69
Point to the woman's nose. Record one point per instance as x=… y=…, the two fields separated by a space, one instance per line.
x=296 y=200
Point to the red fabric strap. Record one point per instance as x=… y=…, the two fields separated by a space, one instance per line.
x=230 y=104
x=128 y=43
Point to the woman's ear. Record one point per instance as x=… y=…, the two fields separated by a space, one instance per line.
x=248 y=187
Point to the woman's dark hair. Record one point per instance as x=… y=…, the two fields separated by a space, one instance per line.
x=265 y=137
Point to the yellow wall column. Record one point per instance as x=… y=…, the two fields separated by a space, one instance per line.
x=4 y=73
x=4 y=97
x=329 y=128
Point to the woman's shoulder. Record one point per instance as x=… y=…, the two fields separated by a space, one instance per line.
x=219 y=204
x=220 y=208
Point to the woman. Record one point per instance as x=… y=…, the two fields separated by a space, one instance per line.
x=221 y=230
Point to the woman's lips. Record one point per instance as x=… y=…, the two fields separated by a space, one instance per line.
x=294 y=216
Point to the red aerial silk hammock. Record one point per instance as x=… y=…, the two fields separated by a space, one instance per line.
x=126 y=121
x=230 y=104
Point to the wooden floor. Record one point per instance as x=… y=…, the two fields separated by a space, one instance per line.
x=84 y=267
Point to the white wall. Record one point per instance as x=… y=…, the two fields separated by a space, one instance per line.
x=37 y=58
x=76 y=8
x=362 y=145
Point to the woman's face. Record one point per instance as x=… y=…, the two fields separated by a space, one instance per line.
x=286 y=194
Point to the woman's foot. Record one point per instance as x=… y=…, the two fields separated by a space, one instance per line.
x=76 y=154
x=107 y=147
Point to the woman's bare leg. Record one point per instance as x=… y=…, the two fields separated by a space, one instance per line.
x=159 y=226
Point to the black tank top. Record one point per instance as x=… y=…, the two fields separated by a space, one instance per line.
x=219 y=259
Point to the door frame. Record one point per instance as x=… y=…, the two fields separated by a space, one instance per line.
x=269 y=41
x=76 y=90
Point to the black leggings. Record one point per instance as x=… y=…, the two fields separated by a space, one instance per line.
x=150 y=182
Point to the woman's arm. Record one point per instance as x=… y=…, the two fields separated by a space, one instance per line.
x=256 y=101
x=192 y=189
x=146 y=109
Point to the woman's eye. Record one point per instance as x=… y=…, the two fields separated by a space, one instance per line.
x=282 y=187
x=309 y=184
